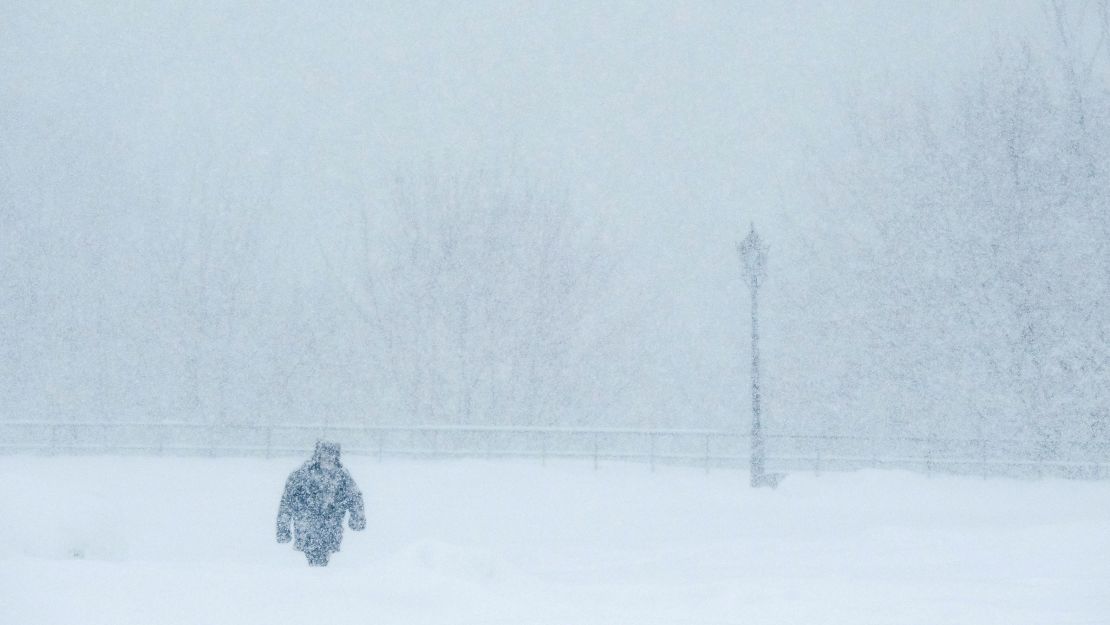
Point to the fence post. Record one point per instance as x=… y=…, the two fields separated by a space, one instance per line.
x=651 y=436
x=983 y=455
x=543 y=448
x=929 y=457
x=707 y=436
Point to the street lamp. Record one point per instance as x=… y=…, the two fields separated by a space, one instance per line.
x=753 y=256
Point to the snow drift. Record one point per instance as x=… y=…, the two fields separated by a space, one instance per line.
x=161 y=540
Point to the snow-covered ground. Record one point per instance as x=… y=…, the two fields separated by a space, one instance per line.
x=167 y=541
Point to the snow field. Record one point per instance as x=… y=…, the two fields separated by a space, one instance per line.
x=189 y=540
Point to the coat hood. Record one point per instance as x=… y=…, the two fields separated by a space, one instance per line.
x=326 y=448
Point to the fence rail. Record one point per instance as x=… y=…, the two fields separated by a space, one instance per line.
x=701 y=447
x=690 y=446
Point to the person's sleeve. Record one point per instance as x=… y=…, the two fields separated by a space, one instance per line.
x=285 y=513
x=357 y=519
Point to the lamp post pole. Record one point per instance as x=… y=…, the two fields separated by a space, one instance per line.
x=753 y=256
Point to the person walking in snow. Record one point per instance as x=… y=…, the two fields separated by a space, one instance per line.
x=316 y=497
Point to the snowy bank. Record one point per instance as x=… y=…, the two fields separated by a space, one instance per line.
x=173 y=540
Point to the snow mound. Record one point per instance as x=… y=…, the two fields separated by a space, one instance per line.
x=161 y=540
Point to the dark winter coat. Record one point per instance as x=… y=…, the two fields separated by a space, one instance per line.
x=315 y=501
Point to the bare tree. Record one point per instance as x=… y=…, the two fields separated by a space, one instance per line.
x=989 y=262
x=480 y=288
